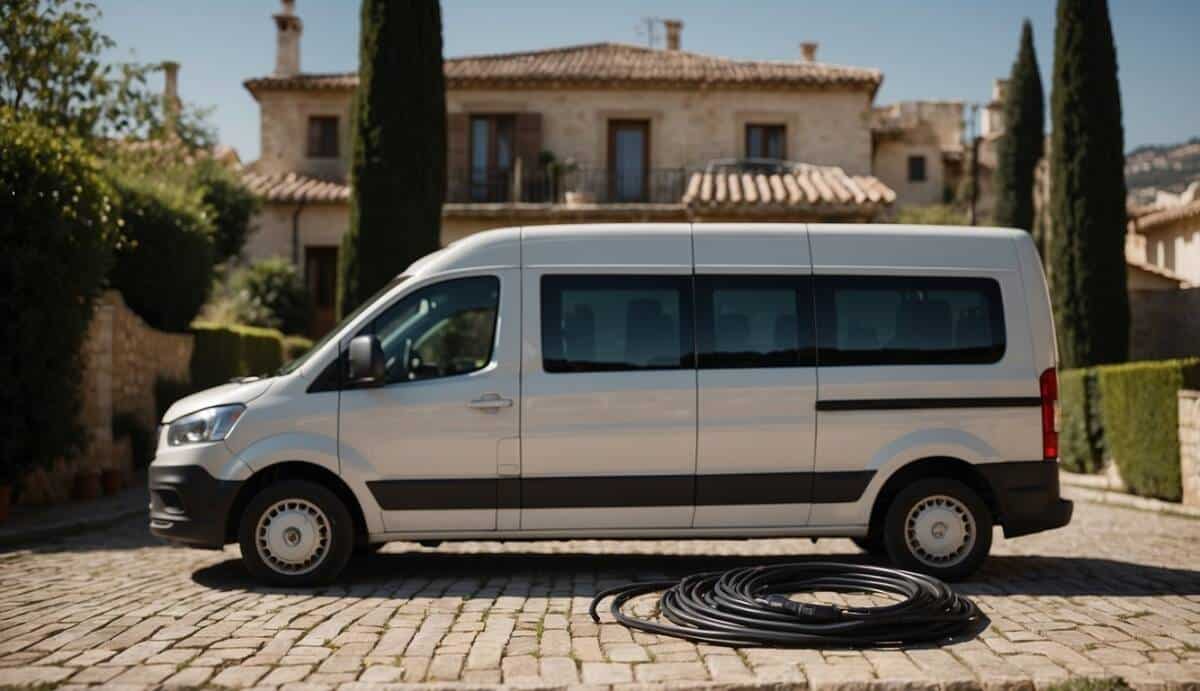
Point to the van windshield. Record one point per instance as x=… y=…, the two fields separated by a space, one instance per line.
x=337 y=330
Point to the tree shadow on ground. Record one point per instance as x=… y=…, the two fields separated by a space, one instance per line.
x=583 y=574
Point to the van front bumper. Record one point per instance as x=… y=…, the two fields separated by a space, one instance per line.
x=190 y=506
x=1027 y=496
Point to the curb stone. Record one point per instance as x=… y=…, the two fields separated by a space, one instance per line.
x=1087 y=488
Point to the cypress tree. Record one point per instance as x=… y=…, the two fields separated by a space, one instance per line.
x=1020 y=147
x=1087 y=195
x=398 y=172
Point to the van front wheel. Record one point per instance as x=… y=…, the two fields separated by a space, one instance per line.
x=940 y=527
x=296 y=533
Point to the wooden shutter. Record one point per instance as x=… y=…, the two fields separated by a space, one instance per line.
x=528 y=142
x=457 y=155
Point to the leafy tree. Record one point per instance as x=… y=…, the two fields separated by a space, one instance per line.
x=398 y=172
x=51 y=70
x=1087 y=190
x=232 y=205
x=57 y=226
x=1020 y=147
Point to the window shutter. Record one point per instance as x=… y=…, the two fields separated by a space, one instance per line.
x=528 y=144
x=457 y=155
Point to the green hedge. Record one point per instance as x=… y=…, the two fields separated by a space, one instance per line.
x=57 y=230
x=1081 y=435
x=1139 y=410
x=225 y=351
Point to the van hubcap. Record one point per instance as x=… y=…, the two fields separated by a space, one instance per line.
x=292 y=536
x=940 y=531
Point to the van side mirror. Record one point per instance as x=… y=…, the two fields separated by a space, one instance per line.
x=367 y=366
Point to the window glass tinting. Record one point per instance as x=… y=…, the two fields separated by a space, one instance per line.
x=616 y=323
x=754 y=321
x=902 y=320
x=441 y=330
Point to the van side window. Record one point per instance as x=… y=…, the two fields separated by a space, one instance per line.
x=616 y=323
x=908 y=320
x=441 y=330
x=754 y=321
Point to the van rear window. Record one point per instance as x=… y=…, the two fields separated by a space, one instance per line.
x=908 y=320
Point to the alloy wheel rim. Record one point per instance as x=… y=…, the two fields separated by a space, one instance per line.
x=940 y=531
x=292 y=536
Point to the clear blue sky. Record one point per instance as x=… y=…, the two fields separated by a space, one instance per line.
x=926 y=48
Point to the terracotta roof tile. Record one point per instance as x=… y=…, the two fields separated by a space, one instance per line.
x=803 y=186
x=600 y=65
x=1163 y=216
x=294 y=187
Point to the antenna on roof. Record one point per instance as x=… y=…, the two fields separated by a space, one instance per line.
x=648 y=29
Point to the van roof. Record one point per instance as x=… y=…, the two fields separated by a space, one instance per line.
x=671 y=245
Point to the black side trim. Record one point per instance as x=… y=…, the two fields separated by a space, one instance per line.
x=928 y=403
x=1027 y=496
x=620 y=491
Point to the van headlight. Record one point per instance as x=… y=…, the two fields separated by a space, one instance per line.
x=210 y=424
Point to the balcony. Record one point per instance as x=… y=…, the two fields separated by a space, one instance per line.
x=577 y=187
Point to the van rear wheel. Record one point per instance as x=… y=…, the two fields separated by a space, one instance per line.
x=940 y=527
x=296 y=533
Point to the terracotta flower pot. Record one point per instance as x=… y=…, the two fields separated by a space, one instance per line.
x=87 y=486
x=5 y=501
x=111 y=481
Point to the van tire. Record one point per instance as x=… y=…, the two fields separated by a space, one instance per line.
x=317 y=517
x=947 y=505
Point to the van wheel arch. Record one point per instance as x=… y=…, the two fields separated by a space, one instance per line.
x=937 y=466
x=294 y=470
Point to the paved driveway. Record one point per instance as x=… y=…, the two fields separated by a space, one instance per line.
x=1117 y=593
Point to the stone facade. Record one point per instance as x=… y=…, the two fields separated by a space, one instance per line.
x=1189 y=445
x=929 y=130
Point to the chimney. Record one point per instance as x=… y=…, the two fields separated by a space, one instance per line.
x=170 y=97
x=287 y=37
x=808 y=49
x=674 y=29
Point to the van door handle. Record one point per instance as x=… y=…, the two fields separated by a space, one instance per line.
x=491 y=402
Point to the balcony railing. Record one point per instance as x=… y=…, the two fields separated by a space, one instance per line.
x=582 y=185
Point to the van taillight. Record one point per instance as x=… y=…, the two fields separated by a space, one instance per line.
x=1049 y=385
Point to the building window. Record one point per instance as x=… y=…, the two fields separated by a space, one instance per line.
x=491 y=157
x=629 y=160
x=323 y=136
x=766 y=141
x=916 y=169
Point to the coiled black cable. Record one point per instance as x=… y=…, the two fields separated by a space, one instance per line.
x=749 y=606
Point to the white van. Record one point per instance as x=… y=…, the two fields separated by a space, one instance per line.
x=895 y=385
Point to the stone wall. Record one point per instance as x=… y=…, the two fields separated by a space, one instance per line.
x=141 y=356
x=1164 y=324
x=1189 y=445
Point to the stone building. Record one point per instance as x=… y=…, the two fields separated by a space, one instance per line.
x=606 y=132
x=1168 y=234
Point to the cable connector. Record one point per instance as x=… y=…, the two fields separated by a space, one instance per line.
x=803 y=610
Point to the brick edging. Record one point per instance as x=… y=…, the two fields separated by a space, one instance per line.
x=23 y=537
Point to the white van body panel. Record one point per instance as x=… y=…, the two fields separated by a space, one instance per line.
x=576 y=426
x=759 y=421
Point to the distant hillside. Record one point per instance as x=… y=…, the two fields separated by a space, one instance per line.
x=1171 y=167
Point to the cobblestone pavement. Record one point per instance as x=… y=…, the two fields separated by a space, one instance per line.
x=1117 y=593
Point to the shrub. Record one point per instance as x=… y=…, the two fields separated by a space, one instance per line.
x=166 y=392
x=1139 y=404
x=1081 y=438
x=276 y=295
x=224 y=352
x=932 y=215
x=57 y=228
x=295 y=346
x=165 y=258
x=232 y=206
